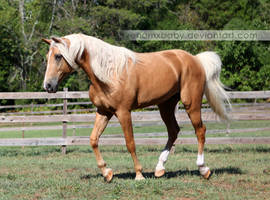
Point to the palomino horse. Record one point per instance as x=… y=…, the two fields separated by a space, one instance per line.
x=123 y=80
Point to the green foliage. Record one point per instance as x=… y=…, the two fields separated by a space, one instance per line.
x=22 y=54
x=216 y=14
x=245 y=65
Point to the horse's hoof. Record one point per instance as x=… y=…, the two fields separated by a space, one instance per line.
x=108 y=175
x=139 y=177
x=205 y=172
x=159 y=173
x=207 y=175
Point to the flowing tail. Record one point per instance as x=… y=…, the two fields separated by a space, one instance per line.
x=214 y=89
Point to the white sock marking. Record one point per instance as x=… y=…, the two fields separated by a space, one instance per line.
x=162 y=159
x=203 y=170
x=200 y=160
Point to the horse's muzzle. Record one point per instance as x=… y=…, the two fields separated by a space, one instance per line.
x=51 y=86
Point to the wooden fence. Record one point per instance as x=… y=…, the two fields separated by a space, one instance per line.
x=240 y=112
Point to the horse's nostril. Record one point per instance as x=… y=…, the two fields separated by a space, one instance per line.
x=48 y=86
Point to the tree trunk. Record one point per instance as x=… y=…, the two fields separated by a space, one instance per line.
x=52 y=19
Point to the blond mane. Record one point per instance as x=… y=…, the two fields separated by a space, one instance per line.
x=106 y=60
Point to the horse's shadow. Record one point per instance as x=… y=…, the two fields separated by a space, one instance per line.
x=171 y=174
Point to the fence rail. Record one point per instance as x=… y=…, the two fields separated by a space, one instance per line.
x=240 y=112
x=44 y=95
x=136 y=116
x=85 y=95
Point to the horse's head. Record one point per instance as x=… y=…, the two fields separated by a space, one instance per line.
x=58 y=65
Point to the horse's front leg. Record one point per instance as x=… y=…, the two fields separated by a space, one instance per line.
x=126 y=123
x=101 y=121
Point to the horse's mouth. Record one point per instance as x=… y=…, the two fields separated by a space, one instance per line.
x=51 y=87
x=51 y=91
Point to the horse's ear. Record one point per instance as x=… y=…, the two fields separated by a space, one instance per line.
x=57 y=40
x=47 y=41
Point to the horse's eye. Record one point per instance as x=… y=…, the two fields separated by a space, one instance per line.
x=58 y=57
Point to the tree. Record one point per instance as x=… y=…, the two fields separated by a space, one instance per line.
x=23 y=24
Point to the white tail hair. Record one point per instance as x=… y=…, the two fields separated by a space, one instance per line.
x=214 y=89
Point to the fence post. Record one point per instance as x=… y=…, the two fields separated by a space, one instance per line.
x=32 y=110
x=64 y=135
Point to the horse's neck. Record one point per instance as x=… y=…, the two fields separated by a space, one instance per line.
x=86 y=66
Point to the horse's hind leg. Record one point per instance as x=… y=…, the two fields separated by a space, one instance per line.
x=167 y=114
x=192 y=105
x=101 y=122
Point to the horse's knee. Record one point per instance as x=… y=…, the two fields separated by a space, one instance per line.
x=130 y=146
x=201 y=129
x=93 y=142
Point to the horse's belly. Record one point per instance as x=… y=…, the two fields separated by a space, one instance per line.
x=156 y=93
x=158 y=76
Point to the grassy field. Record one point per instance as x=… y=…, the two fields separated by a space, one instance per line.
x=239 y=172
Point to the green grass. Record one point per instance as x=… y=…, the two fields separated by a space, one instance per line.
x=150 y=129
x=239 y=172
